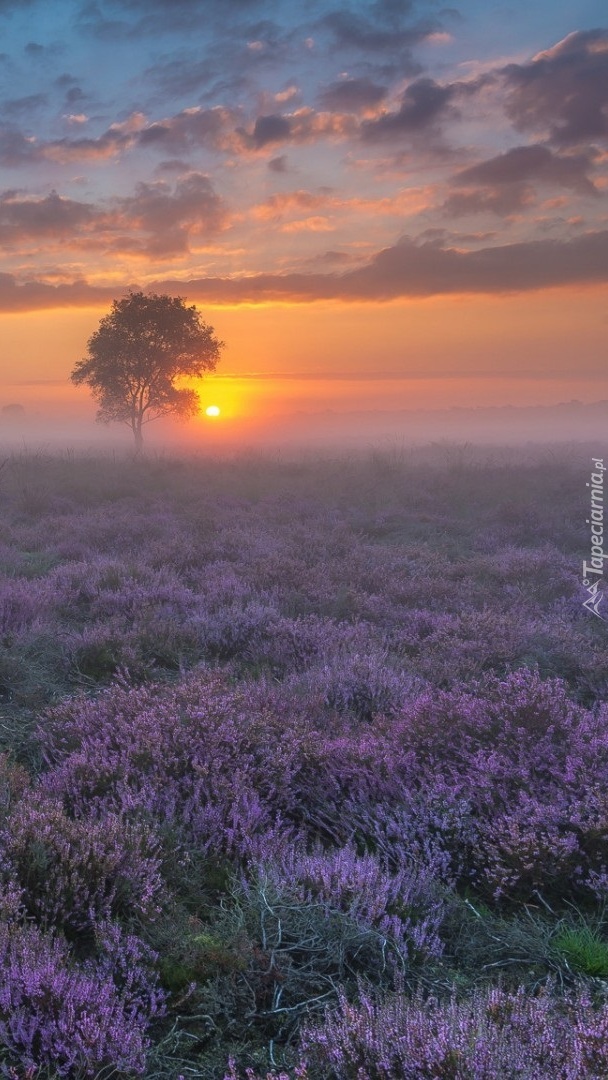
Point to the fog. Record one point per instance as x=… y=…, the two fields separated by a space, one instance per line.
x=299 y=432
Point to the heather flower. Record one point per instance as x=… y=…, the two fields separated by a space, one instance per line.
x=405 y=907
x=75 y=1020
x=75 y=872
x=299 y=1072
x=514 y=1036
x=389 y=744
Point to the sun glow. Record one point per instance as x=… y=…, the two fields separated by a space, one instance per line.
x=212 y=410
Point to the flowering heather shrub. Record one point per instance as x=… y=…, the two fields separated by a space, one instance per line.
x=73 y=1019
x=130 y=964
x=299 y=1072
x=129 y=527
x=482 y=641
x=101 y=587
x=291 y=644
x=519 y=752
x=308 y=644
x=405 y=907
x=75 y=872
x=545 y=573
x=218 y=585
x=532 y=846
x=179 y=755
x=387 y=745
x=497 y=1034
x=23 y=606
x=502 y=803
x=138 y=594
x=503 y=714
x=235 y=630
x=506 y=801
x=431 y=831
x=346 y=549
x=362 y=685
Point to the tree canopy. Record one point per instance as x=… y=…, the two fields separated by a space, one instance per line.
x=138 y=352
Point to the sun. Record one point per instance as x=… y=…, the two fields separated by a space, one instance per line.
x=212 y=410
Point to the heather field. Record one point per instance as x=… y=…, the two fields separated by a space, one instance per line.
x=303 y=768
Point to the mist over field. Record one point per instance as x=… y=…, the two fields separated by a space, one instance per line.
x=301 y=432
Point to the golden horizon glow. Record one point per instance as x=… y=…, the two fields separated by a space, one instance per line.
x=459 y=351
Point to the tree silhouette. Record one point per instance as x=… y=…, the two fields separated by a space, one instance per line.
x=137 y=353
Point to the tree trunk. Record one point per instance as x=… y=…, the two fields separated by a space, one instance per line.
x=139 y=439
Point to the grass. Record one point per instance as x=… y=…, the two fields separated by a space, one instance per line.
x=584 y=949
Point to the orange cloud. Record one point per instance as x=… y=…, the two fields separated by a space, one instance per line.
x=404 y=202
x=311 y=224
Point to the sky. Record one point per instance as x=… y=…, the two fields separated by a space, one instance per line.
x=377 y=205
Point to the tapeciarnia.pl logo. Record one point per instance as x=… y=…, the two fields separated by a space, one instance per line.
x=593 y=571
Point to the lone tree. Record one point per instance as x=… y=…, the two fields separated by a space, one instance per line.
x=137 y=353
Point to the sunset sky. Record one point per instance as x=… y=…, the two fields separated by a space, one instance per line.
x=377 y=205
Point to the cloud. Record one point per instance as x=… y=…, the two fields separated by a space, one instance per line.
x=524 y=163
x=24 y=106
x=500 y=200
x=304 y=205
x=407 y=269
x=159 y=18
x=278 y=164
x=562 y=93
x=384 y=127
x=156 y=220
x=285 y=202
x=64 y=151
x=387 y=33
x=23 y=218
x=336 y=258
x=36 y=295
x=16 y=148
x=217 y=128
x=189 y=129
x=422 y=105
x=74 y=95
x=115 y=140
x=175 y=166
x=506 y=184
x=230 y=56
x=411 y=269
x=270 y=129
x=314 y=224
x=165 y=219
x=301 y=126
x=352 y=95
x=222 y=128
